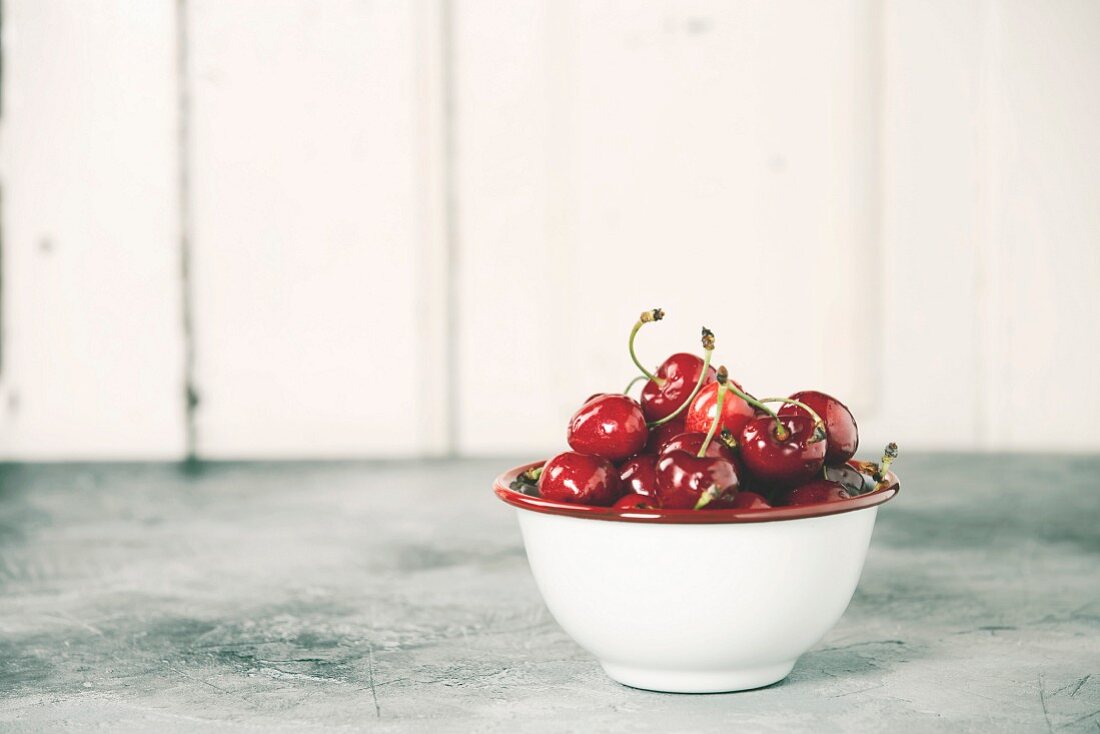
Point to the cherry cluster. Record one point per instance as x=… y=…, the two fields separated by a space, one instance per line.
x=697 y=440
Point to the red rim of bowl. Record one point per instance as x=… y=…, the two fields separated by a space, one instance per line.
x=685 y=517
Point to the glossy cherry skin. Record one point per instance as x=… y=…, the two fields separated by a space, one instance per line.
x=611 y=426
x=679 y=373
x=849 y=478
x=636 y=502
x=639 y=475
x=661 y=434
x=692 y=442
x=682 y=479
x=821 y=490
x=735 y=411
x=580 y=479
x=840 y=426
x=794 y=460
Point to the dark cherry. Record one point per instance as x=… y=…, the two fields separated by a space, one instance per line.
x=849 y=478
x=749 y=483
x=816 y=492
x=692 y=442
x=682 y=479
x=660 y=435
x=750 y=501
x=639 y=475
x=741 y=501
x=840 y=426
x=790 y=459
x=580 y=479
x=677 y=377
x=700 y=415
x=636 y=502
x=612 y=426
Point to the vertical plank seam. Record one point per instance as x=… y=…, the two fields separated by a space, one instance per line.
x=452 y=326
x=876 y=192
x=865 y=230
x=431 y=300
x=3 y=343
x=190 y=392
x=558 y=76
x=3 y=72
x=2 y=49
x=986 y=271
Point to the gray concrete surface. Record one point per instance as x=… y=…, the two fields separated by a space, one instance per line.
x=396 y=597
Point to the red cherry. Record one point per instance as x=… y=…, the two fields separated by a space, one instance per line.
x=639 y=475
x=682 y=479
x=611 y=426
x=814 y=493
x=735 y=411
x=840 y=426
x=636 y=502
x=723 y=502
x=692 y=442
x=580 y=479
x=741 y=501
x=677 y=377
x=791 y=459
x=750 y=501
x=660 y=435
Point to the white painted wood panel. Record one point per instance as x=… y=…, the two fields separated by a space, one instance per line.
x=894 y=202
x=932 y=177
x=709 y=158
x=991 y=229
x=318 y=249
x=92 y=342
x=1042 y=134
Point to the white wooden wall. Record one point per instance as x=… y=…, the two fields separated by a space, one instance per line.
x=91 y=351
x=425 y=227
x=315 y=232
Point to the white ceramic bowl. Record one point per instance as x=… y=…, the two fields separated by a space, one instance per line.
x=696 y=602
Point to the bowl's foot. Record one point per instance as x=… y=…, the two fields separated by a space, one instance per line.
x=708 y=681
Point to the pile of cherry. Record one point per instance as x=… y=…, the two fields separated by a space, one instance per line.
x=697 y=440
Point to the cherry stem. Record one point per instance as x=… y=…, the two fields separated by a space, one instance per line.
x=706 y=497
x=780 y=431
x=633 y=382
x=708 y=350
x=888 y=457
x=723 y=387
x=647 y=316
